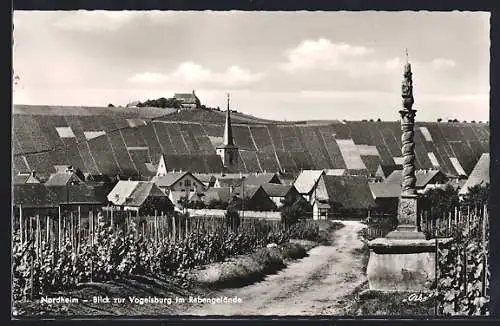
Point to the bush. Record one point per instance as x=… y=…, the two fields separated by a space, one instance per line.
x=293 y=211
x=232 y=219
x=439 y=201
x=304 y=230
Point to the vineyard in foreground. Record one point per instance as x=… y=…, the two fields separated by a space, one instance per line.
x=110 y=253
x=463 y=278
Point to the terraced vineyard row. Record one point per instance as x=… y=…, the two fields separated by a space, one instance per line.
x=39 y=144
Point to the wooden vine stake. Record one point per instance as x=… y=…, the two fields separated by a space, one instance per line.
x=37 y=237
x=59 y=230
x=72 y=231
x=174 y=229
x=21 y=224
x=156 y=227
x=79 y=230
x=485 y=252
x=47 y=226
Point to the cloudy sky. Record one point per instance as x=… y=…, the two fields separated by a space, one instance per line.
x=277 y=65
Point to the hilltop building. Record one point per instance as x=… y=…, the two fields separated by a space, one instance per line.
x=188 y=100
x=228 y=152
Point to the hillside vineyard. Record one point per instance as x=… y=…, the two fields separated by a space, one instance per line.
x=128 y=141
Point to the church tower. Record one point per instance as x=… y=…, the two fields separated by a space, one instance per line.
x=228 y=152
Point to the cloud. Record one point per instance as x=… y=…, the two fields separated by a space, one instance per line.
x=353 y=60
x=102 y=21
x=440 y=63
x=321 y=54
x=93 y=21
x=194 y=74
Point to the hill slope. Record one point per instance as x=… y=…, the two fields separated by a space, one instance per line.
x=130 y=141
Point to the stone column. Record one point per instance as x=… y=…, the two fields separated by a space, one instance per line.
x=404 y=260
x=407 y=208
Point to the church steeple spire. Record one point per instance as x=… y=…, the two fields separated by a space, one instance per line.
x=228 y=130
x=228 y=152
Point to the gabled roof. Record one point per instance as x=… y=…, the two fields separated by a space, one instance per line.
x=175 y=196
x=84 y=193
x=121 y=191
x=276 y=190
x=168 y=179
x=38 y=195
x=185 y=96
x=306 y=180
x=205 y=178
x=388 y=169
x=423 y=177
x=248 y=191
x=61 y=179
x=352 y=192
x=25 y=178
x=230 y=182
x=261 y=178
x=134 y=193
x=34 y=195
x=479 y=175
x=220 y=194
x=143 y=191
x=385 y=190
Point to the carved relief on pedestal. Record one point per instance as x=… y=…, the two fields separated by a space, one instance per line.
x=407 y=212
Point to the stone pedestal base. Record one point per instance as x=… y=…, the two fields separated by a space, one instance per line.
x=401 y=264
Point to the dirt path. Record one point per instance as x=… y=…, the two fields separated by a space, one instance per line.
x=314 y=285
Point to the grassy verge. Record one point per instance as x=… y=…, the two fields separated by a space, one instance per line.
x=247 y=269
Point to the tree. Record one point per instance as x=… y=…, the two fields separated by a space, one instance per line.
x=478 y=195
x=232 y=218
x=161 y=102
x=293 y=210
x=440 y=201
x=439 y=119
x=217 y=204
x=110 y=105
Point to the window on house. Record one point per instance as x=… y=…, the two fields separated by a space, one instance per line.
x=187 y=183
